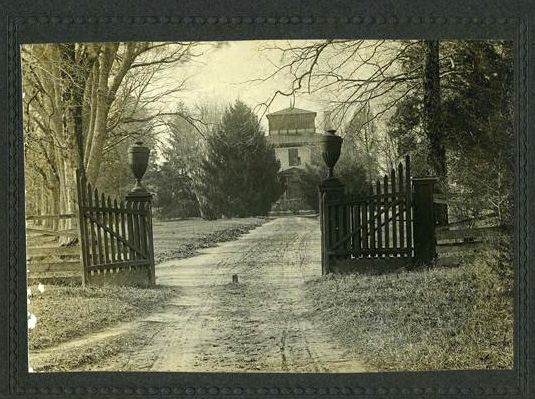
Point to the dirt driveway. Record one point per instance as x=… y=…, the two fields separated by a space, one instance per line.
x=262 y=323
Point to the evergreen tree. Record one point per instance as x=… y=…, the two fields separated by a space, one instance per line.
x=477 y=126
x=174 y=198
x=173 y=179
x=240 y=173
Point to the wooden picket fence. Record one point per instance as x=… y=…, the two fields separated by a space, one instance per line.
x=374 y=224
x=115 y=237
x=379 y=224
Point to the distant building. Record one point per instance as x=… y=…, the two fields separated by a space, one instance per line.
x=292 y=131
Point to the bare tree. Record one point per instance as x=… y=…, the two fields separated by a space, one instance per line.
x=353 y=76
x=348 y=73
x=79 y=99
x=188 y=130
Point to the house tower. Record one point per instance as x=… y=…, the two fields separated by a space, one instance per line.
x=292 y=131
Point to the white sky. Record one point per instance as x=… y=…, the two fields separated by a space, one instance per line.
x=223 y=75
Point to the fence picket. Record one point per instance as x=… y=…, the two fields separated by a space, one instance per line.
x=402 y=207
x=137 y=236
x=124 y=230
x=388 y=211
x=142 y=228
x=148 y=228
x=379 y=214
x=394 y=209
x=105 y=222
x=150 y=240
x=364 y=226
x=130 y=226
x=350 y=221
x=358 y=229
x=372 y=218
x=111 y=222
x=341 y=230
x=332 y=223
x=117 y=228
x=408 y=190
x=93 y=236
x=98 y=217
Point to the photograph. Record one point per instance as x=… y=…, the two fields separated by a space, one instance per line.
x=269 y=206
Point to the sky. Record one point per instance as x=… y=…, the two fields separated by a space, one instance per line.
x=225 y=74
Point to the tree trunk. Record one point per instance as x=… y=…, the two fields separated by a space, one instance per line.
x=67 y=203
x=432 y=122
x=99 y=134
x=72 y=84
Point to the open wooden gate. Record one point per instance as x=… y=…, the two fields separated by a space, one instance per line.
x=115 y=238
x=377 y=224
x=393 y=221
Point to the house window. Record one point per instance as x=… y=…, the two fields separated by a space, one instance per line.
x=293 y=157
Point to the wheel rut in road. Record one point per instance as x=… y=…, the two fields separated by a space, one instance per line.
x=263 y=323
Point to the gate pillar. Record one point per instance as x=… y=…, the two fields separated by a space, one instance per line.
x=138 y=159
x=145 y=200
x=329 y=189
x=424 y=219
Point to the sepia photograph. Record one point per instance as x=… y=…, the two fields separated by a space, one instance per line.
x=269 y=206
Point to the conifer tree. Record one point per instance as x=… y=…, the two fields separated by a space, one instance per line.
x=240 y=173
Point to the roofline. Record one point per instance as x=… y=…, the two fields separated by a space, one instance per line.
x=279 y=112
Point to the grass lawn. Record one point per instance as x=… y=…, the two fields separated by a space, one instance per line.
x=182 y=238
x=66 y=312
x=429 y=319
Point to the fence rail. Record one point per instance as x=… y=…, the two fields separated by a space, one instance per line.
x=46 y=230
x=45 y=217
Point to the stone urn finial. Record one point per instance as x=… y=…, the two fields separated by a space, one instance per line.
x=331 y=145
x=138 y=159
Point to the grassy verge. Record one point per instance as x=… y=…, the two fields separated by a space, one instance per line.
x=79 y=360
x=92 y=357
x=428 y=319
x=64 y=313
x=67 y=312
x=183 y=238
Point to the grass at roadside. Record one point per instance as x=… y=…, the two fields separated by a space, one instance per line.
x=86 y=358
x=183 y=238
x=67 y=312
x=459 y=318
x=64 y=312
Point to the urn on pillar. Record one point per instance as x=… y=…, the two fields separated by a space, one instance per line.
x=331 y=145
x=331 y=188
x=138 y=159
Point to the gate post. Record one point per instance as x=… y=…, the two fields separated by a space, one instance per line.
x=329 y=189
x=424 y=219
x=138 y=159
x=145 y=198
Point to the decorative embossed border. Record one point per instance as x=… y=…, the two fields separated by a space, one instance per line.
x=69 y=20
